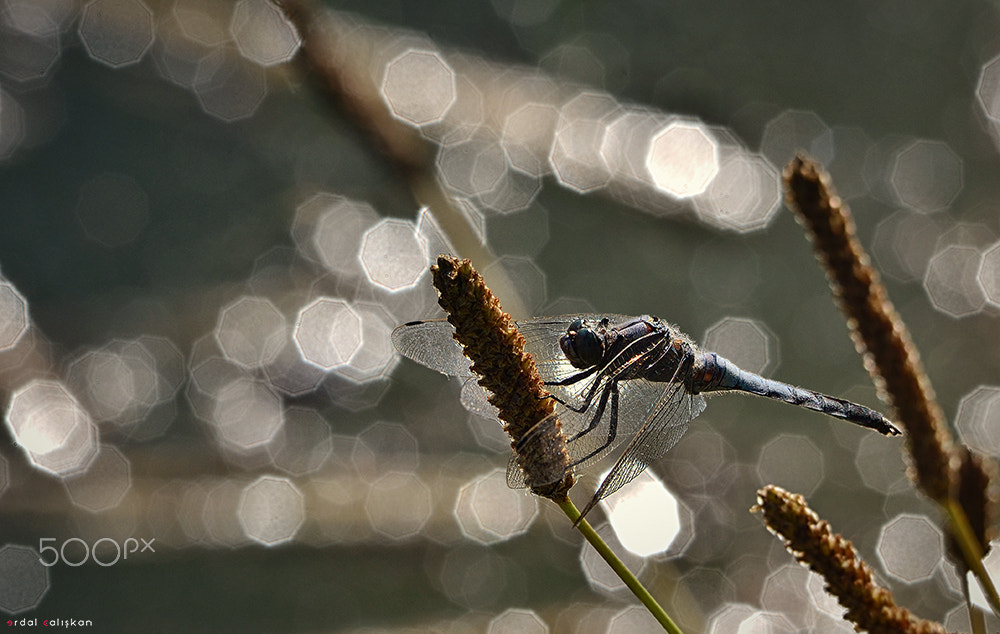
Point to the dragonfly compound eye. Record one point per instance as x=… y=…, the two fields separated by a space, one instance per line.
x=582 y=345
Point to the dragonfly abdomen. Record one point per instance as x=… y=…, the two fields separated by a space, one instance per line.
x=713 y=373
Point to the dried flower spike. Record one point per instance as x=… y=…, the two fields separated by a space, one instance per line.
x=810 y=539
x=876 y=328
x=496 y=348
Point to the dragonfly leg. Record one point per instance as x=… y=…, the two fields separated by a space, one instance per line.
x=587 y=399
x=612 y=423
x=575 y=378
x=598 y=411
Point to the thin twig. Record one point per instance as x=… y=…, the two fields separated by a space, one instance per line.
x=617 y=565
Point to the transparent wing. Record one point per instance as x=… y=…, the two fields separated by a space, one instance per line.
x=668 y=421
x=474 y=400
x=652 y=417
x=636 y=400
x=541 y=336
x=432 y=344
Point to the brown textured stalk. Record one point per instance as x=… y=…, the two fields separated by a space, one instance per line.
x=959 y=481
x=869 y=606
x=877 y=329
x=496 y=348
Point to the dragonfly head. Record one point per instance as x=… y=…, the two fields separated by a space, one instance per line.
x=582 y=344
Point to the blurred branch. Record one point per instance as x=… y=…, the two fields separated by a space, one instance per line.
x=334 y=57
x=956 y=479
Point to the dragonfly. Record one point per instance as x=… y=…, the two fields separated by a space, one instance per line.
x=617 y=380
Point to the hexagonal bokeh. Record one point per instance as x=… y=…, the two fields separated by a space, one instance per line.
x=251 y=331
x=305 y=444
x=910 y=547
x=988 y=89
x=13 y=128
x=271 y=510
x=989 y=274
x=881 y=468
x=393 y=255
x=119 y=382
x=104 y=484
x=52 y=428
x=645 y=515
x=262 y=33
x=328 y=333
x=375 y=357
x=683 y=159
x=633 y=618
x=247 y=414
x=228 y=86
x=24 y=580
x=475 y=578
x=597 y=571
x=978 y=419
x=515 y=621
x=744 y=196
x=385 y=447
x=576 y=157
x=488 y=511
x=419 y=87
x=527 y=137
x=116 y=32
x=399 y=505
x=524 y=274
x=926 y=176
x=14 y=320
x=472 y=168
x=29 y=42
x=793 y=462
x=952 y=281
x=746 y=342
x=785 y=592
x=794 y=131
x=330 y=228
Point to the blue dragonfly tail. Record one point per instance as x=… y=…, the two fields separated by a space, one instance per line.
x=713 y=373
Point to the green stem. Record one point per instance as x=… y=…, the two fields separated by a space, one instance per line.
x=618 y=566
x=970 y=549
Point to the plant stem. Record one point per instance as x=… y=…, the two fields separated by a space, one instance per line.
x=618 y=566
x=964 y=536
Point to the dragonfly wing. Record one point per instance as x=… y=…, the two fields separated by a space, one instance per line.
x=667 y=422
x=474 y=400
x=541 y=336
x=432 y=343
x=515 y=474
